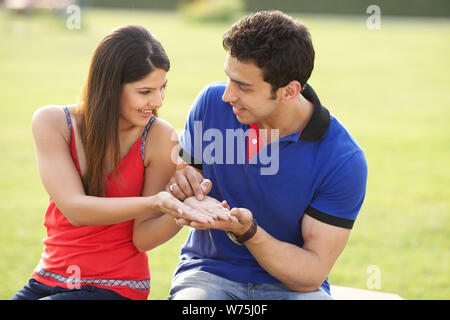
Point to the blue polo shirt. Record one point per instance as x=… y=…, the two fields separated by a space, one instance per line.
x=320 y=172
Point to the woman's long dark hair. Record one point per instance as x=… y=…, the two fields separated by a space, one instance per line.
x=127 y=54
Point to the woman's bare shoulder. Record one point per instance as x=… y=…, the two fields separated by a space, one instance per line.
x=160 y=133
x=50 y=119
x=160 y=139
x=161 y=126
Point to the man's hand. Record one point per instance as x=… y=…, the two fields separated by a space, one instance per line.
x=188 y=182
x=239 y=221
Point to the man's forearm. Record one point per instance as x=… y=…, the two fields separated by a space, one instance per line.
x=297 y=268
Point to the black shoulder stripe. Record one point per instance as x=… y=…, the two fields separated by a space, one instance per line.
x=189 y=159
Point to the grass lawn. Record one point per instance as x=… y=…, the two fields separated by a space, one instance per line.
x=389 y=87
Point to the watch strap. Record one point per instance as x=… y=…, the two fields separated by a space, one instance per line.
x=249 y=234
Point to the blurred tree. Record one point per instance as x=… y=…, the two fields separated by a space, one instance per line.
x=211 y=10
x=438 y=8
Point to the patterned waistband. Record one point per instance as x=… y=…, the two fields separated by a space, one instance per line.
x=133 y=284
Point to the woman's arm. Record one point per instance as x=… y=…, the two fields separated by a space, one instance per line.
x=63 y=183
x=150 y=231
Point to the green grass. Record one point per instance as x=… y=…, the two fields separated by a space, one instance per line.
x=389 y=87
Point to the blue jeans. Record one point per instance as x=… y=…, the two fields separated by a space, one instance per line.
x=35 y=290
x=201 y=285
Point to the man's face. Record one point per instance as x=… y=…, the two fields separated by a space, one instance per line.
x=247 y=92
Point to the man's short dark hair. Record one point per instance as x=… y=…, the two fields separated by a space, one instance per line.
x=279 y=45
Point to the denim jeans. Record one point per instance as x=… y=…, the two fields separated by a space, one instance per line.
x=201 y=285
x=35 y=290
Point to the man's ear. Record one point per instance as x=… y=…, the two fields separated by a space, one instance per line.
x=290 y=92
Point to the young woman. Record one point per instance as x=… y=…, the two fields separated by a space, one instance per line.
x=105 y=163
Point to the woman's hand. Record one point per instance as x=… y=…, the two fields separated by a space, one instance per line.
x=166 y=203
x=239 y=221
x=211 y=207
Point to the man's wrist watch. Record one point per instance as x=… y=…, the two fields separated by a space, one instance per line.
x=239 y=240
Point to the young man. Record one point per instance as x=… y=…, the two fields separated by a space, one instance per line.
x=293 y=175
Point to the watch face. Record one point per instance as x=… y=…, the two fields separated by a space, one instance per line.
x=233 y=237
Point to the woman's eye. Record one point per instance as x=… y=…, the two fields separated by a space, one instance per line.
x=144 y=92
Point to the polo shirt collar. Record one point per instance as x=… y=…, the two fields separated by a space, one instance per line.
x=320 y=118
x=317 y=125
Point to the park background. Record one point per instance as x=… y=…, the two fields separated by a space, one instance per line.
x=389 y=86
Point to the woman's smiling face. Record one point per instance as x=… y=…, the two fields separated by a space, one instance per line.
x=138 y=99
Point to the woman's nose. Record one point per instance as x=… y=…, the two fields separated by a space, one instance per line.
x=157 y=101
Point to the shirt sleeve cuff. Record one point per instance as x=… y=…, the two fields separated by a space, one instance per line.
x=190 y=159
x=329 y=219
